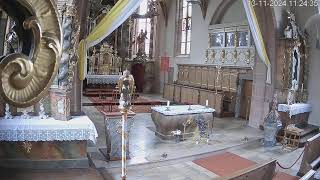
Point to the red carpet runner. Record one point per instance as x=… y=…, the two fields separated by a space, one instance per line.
x=224 y=164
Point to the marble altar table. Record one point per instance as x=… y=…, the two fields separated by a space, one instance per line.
x=103 y=79
x=297 y=114
x=113 y=134
x=181 y=118
x=45 y=143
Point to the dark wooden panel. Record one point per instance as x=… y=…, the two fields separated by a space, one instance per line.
x=204 y=78
x=211 y=78
x=177 y=93
x=168 y=92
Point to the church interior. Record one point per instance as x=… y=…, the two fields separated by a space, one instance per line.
x=159 y=89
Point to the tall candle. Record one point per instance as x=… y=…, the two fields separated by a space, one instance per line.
x=168 y=103
x=302 y=88
x=207 y=102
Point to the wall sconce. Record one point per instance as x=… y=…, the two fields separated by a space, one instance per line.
x=203 y=5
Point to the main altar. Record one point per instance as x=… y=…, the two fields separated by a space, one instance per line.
x=129 y=47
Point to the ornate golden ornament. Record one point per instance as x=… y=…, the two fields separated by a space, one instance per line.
x=235 y=56
x=213 y=55
x=248 y=56
x=222 y=55
x=207 y=56
x=25 y=78
x=27 y=146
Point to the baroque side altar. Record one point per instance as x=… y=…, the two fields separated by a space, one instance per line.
x=41 y=56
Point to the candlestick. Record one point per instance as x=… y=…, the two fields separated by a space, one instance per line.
x=207 y=103
x=168 y=103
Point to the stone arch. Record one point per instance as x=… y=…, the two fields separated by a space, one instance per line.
x=219 y=13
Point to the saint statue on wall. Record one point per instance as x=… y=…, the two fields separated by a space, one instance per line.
x=141 y=39
x=295 y=68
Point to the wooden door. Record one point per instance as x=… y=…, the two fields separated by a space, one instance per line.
x=138 y=75
x=246 y=99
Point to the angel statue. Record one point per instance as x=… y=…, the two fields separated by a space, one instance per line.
x=126 y=87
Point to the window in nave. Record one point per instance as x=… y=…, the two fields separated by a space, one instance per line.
x=184 y=10
x=144 y=24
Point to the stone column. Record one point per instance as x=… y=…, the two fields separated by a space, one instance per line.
x=76 y=92
x=262 y=93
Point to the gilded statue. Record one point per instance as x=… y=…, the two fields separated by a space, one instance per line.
x=25 y=76
x=126 y=89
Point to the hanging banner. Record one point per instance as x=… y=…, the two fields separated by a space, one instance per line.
x=114 y=18
x=257 y=36
x=164 y=64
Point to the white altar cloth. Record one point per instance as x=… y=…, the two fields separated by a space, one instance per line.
x=103 y=79
x=36 y=129
x=182 y=110
x=294 y=109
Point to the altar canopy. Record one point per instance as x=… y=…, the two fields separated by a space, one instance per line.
x=116 y=16
x=257 y=36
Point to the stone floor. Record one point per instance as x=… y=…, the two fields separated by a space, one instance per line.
x=70 y=174
x=147 y=163
x=146 y=150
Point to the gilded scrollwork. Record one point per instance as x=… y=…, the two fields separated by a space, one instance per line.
x=213 y=56
x=223 y=56
x=207 y=55
x=25 y=78
x=235 y=56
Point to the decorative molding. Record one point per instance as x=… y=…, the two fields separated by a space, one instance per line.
x=203 y=5
x=164 y=8
x=219 y=13
x=25 y=80
x=232 y=57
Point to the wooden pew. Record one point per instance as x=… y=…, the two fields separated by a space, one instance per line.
x=168 y=91
x=311 y=156
x=265 y=171
x=309 y=175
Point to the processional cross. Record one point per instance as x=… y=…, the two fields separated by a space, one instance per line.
x=126 y=86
